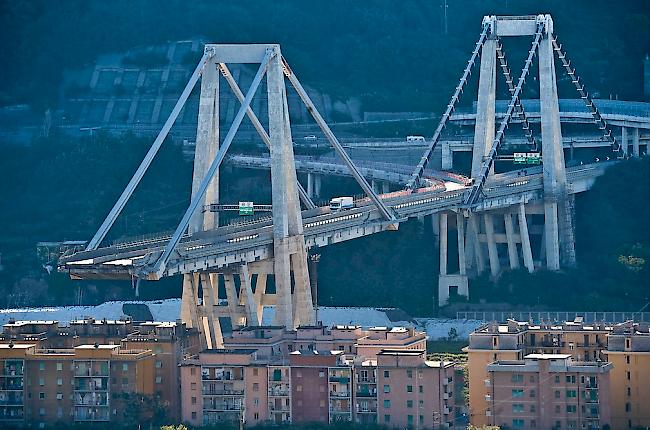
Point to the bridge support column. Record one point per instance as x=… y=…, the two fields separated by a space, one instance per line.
x=385 y=187
x=635 y=142
x=495 y=266
x=513 y=256
x=624 y=141
x=447 y=156
x=310 y=185
x=525 y=239
x=558 y=225
x=375 y=186
x=474 y=251
x=485 y=106
x=451 y=284
x=317 y=185
x=289 y=252
x=443 y=243
x=460 y=228
x=435 y=227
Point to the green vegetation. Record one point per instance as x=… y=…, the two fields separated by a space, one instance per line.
x=613 y=250
x=392 y=55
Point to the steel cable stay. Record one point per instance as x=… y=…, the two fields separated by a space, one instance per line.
x=476 y=189
x=422 y=165
x=518 y=106
x=584 y=95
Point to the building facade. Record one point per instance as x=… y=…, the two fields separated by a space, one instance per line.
x=628 y=349
x=315 y=374
x=87 y=383
x=548 y=391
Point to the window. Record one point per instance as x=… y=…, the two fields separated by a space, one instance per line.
x=629 y=391
x=158 y=379
x=193 y=415
x=409 y=388
x=59 y=381
x=409 y=373
x=532 y=393
x=409 y=418
x=421 y=389
x=517 y=393
x=557 y=409
x=421 y=419
x=322 y=403
x=517 y=407
x=386 y=388
x=518 y=423
x=627 y=359
x=256 y=386
x=192 y=370
x=517 y=377
x=387 y=404
x=321 y=374
x=59 y=367
x=532 y=408
x=158 y=364
x=41 y=411
x=409 y=403
x=571 y=409
x=557 y=379
x=256 y=401
x=41 y=395
x=256 y=372
x=571 y=379
x=557 y=394
x=256 y=416
x=59 y=396
x=533 y=423
x=194 y=400
x=571 y=393
x=628 y=343
x=628 y=375
x=386 y=373
x=532 y=378
x=41 y=381
x=41 y=365
x=386 y=418
x=299 y=388
x=298 y=373
x=125 y=367
x=125 y=381
x=628 y=407
x=193 y=386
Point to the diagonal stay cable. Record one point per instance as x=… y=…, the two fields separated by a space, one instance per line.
x=309 y=204
x=476 y=189
x=383 y=209
x=584 y=95
x=518 y=106
x=161 y=264
x=422 y=165
x=146 y=162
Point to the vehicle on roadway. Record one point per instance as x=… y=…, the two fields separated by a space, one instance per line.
x=415 y=139
x=341 y=203
x=310 y=138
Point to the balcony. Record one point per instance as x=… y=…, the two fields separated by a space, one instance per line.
x=15 y=384
x=340 y=379
x=222 y=407
x=84 y=413
x=222 y=392
x=366 y=393
x=340 y=394
x=279 y=408
x=279 y=392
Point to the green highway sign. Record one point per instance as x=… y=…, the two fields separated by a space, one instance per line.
x=246 y=208
x=533 y=158
x=519 y=157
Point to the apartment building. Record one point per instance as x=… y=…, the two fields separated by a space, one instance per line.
x=628 y=349
x=414 y=392
x=168 y=341
x=87 y=383
x=513 y=340
x=548 y=391
x=287 y=378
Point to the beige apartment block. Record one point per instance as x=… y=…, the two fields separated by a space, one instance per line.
x=548 y=391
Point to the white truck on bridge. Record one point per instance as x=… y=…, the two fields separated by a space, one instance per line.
x=341 y=203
